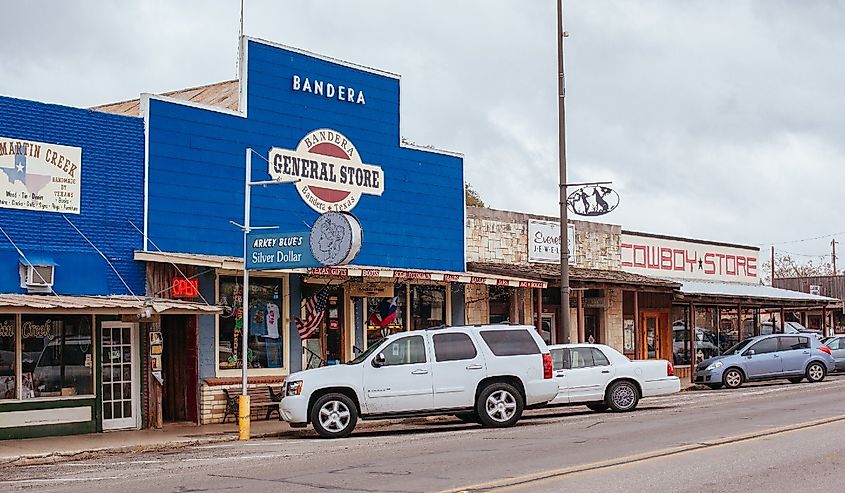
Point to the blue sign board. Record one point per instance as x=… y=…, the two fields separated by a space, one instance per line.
x=265 y=251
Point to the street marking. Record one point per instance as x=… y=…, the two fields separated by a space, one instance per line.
x=556 y=474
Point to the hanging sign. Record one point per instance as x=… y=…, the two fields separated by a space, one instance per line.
x=327 y=170
x=279 y=251
x=593 y=200
x=370 y=289
x=336 y=238
x=39 y=176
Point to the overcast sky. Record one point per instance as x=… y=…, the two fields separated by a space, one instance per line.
x=714 y=120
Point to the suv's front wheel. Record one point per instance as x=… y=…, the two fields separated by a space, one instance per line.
x=499 y=405
x=334 y=416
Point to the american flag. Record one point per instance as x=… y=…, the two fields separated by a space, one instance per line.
x=315 y=310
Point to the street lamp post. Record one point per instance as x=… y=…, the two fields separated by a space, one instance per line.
x=243 y=399
x=564 y=221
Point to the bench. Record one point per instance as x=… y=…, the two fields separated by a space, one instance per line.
x=259 y=398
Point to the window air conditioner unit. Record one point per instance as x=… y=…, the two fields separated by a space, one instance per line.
x=39 y=276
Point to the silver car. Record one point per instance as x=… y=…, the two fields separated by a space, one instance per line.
x=837 y=350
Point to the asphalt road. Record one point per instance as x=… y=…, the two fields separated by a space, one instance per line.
x=768 y=437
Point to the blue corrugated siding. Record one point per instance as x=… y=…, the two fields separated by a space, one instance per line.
x=112 y=195
x=196 y=165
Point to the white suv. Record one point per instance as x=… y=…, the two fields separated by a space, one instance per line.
x=483 y=373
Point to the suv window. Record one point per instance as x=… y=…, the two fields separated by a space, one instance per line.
x=405 y=351
x=453 y=347
x=510 y=342
x=599 y=358
x=581 y=357
x=558 y=357
x=790 y=343
x=769 y=345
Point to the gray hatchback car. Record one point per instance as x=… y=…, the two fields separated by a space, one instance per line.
x=790 y=356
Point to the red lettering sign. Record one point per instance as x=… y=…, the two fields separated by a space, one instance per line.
x=185 y=288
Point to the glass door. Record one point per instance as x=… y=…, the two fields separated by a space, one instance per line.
x=119 y=370
x=650 y=336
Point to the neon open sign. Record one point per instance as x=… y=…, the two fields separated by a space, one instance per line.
x=185 y=288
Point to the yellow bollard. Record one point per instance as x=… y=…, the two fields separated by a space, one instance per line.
x=243 y=417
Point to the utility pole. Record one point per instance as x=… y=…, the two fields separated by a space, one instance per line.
x=833 y=243
x=564 y=220
x=773 y=265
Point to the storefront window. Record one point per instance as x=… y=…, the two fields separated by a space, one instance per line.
x=706 y=333
x=500 y=304
x=57 y=357
x=749 y=322
x=8 y=358
x=385 y=316
x=728 y=328
x=428 y=306
x=681 y=347
x=265 y=329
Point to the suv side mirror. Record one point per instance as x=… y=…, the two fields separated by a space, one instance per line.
x=379 y=360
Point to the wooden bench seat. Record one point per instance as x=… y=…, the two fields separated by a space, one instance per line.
x=259 y=398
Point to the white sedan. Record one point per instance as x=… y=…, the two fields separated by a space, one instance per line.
x=602 y=377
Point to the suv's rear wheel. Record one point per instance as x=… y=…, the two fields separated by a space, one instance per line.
x=622 y=396
x=499 y=405
x=334 y=416
x=816 y=372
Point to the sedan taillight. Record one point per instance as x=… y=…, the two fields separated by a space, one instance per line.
x=547 y=366
x=670 y=370
x=825 y=349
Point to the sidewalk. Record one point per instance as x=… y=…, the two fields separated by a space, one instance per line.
x=52 y=449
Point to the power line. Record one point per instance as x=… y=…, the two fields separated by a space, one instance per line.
x=802 y=240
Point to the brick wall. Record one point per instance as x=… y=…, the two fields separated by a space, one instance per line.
x=502 y=236
x=477 y=308
x=112 y=195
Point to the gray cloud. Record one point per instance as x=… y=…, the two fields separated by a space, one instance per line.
x=718 y=120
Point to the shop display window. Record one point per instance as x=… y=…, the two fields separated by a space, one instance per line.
x=386 y=316
x=749 y=323
x=428 y=306
x=8 y=358
x=500 y=304
x=57 y=356
x=706 y=333
x=728 y=328
x=266 y=331
x=681 y=347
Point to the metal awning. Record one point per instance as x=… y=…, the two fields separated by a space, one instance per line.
x=751 y=293
x=112 y=305
x=369 y=272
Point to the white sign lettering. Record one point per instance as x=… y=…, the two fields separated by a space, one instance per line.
x=328 y=90
x=39 y=176
x=544 y=244
x=680 y=259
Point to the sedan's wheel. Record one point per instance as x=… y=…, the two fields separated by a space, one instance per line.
x=334 y=416
x=796 y=379
x=499 y=405
x=732 y=378
x=622 y=396
x=816 y=372
x=598 y=407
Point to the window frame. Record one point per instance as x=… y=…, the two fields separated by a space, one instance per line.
x=751 y=348
x=284 y=328
x=588 y=350
x=599 y=351
x=510 y=353
x=401 y=339
x=453 y=334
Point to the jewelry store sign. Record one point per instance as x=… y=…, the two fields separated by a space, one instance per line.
x=39 y=176
x=544 y=245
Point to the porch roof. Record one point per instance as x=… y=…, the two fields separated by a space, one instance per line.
x=577 y=275
x=116 y=305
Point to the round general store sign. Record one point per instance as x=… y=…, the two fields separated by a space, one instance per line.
x=329 y=172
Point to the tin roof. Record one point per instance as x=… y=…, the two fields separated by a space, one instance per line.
x=221 y=94
x=758 y=291
x=551 y=272
x=117 y=304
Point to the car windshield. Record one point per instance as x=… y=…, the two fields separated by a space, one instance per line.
x=370 y=350
x=738 y=348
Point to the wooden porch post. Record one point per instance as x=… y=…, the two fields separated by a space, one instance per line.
x=580 y=315
x=538 y=294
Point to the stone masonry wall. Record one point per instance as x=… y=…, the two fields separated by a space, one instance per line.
x=502 y=237
x=213 y=403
